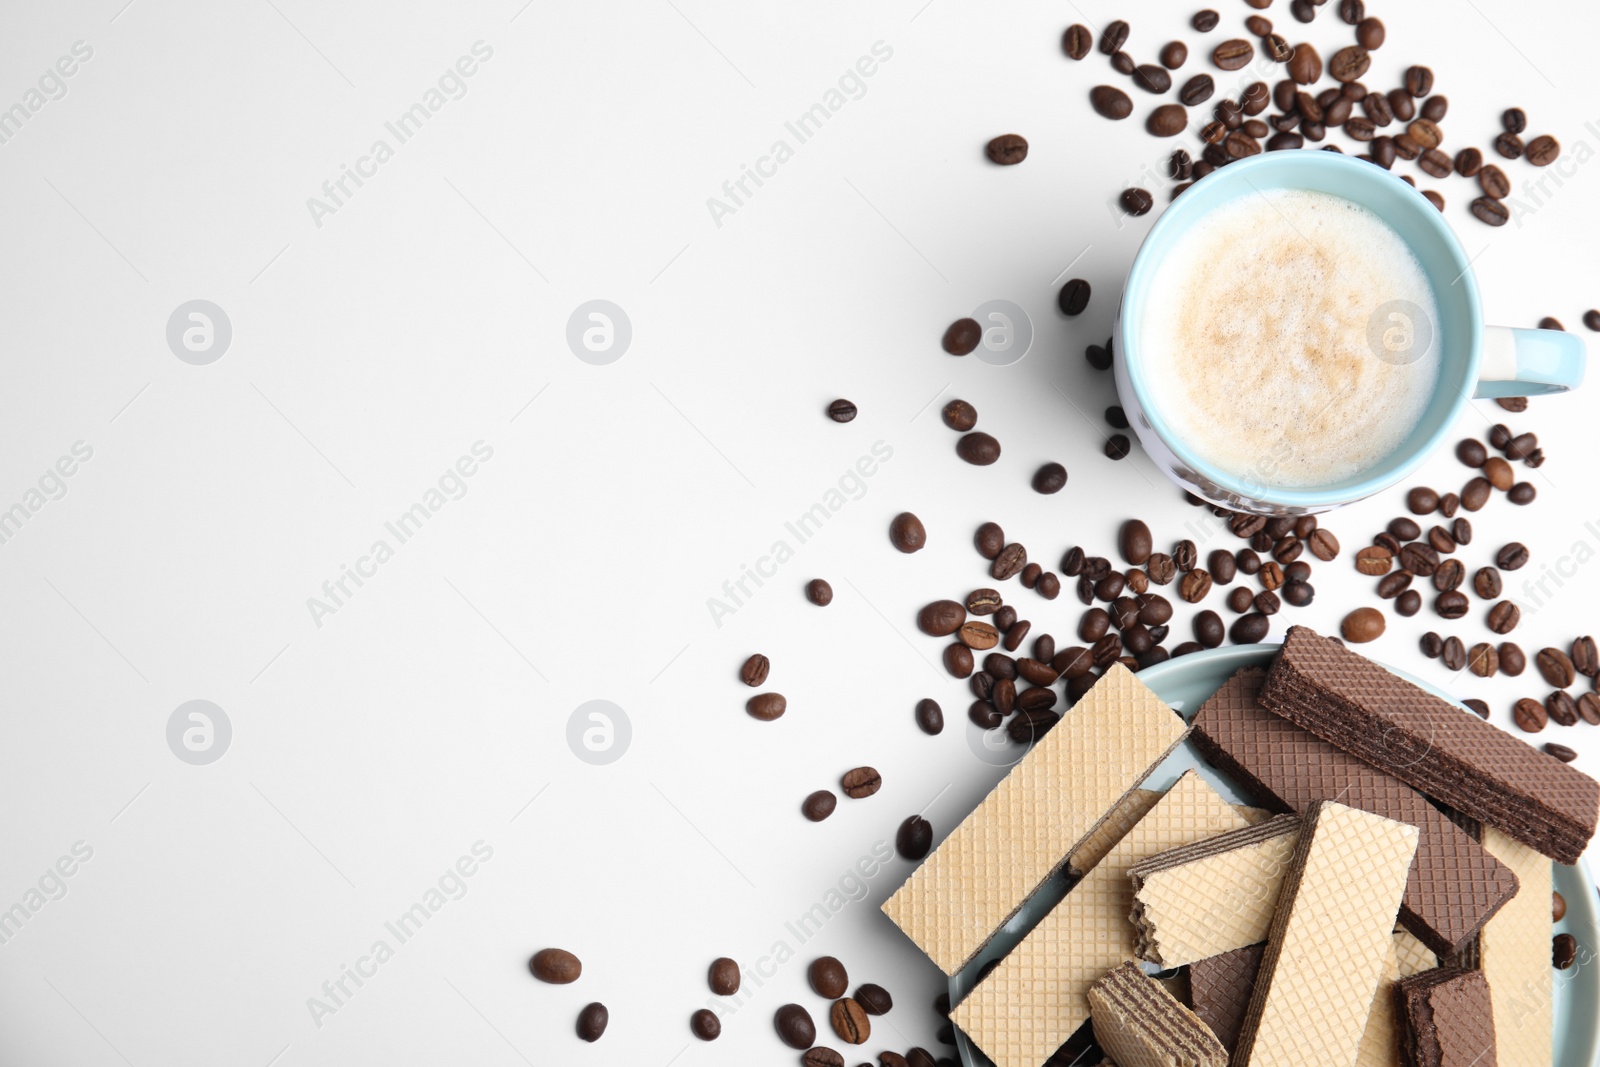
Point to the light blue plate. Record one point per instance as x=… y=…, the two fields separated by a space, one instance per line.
x=1185 y=683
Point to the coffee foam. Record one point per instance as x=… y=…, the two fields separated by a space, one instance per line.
x=1259 y=340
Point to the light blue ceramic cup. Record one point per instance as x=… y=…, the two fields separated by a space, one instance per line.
x=1477 y=360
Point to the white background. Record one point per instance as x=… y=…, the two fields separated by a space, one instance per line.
x=371 y=352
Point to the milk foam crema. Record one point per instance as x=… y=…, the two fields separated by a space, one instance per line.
x=1283 y=339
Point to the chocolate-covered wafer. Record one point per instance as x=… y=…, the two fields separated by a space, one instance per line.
x=1431 y=744
x=1454 y=885
x=1220 y=989
x=1446 y=1020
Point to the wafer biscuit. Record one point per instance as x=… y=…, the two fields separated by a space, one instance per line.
x=1446 y=1019
x=1454 y=885
x=1441 y=749
x=1412 y=956
x=1038 y=995
x=1128 y=811
x=1023 y=831
x=1220 y=988
x=1142 y=1025
x=1330 y=935
x=1380 y=1040
x=1514 y=952
x=1212 y=896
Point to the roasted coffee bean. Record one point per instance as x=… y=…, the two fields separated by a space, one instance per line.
x=795 y=1027
x=1556 y=667
x=1558 y=907
x=1195 y=585
x=1512 y=660
x=1362 y=625
x=1360 y=129
x=1513 y=556
x=1304 y=10
x=1323 y=544
x=1240 y=599
x=1454 y=654
x=1589 y=708
x=1048 y=586
x=1420 y=559
x=860 y=783
x=556 y=966
x=999 y=665
x=1522 y=493
x=989 y=540
x=821 y=1056
x=1050 y=478
x=983 y=602
x=1133 y=541
x=1377 y=109
x=1374 y=560
x=1197 y=90
x=1233 y=54
x=978 y=636
x=592 y=1021
x=1185 y=556
x=1522 y=446
x=1205 y=20
x=1529 y=715
x=984 y=715
x=1035 y=698
x=1468 y=162
x=819 y=592
x=1490 y=212
x=1038 y=672
x=960 y=416
x=1208 y=629
x=1187 y=648
x=849 y=1019
x=1113 y=37
x=874 y=999
x=1255 y=98
x=1074 y=296
x=1504 y=616
x=1124 y=612
x=1044 y=649
x=963 y=336
x=1408 y=603
x=1352 y=11
x=1122 y=63
x=1450 y=574
x=1451 y=605
x=1007 y=150
x=1276 y=48
x=1406 y=148
x=941 y=618
x=754 y=671
x=913 y=839
x=1401 y=106
x=1349 y=63
x=906 y=532
x=1076 y=41
x=930 y=717
x=1249 y=629
x=1008 y=563
x=1107 y=650
x=1486 y=583
x=1259 y=25
x=1495 y=185
x=1093 y=624
x=1477 y=707
x=1509 y=145
x=1173 y=54
x=1562 y=753
x=1435 y=107
x=1270 y=576
x=1152 y=78
x=1118 y=446
x=819 y=805
x=1461 y=531
x=1585 y=657
x=1267 y=602
x=1591 y=319
x=1086 y=589
x=1006 y=619
x=1448 y=503
x=1168 y=120
x=841 y=411
x=1513 y=120
x=1222 y=565
x=1180 y=166
x=1287 y=550
x=723 y=977
x=978 y=448
x=1109 y=102
x=1422 y=500
x=705 y=1025
x=766 y=706
x=1161 y=568
x=1282 y=142
x=1419 y=81
x=1404 y=529
x=1441 y=540
x=958 y=660
x=1432 y=645
x=1436 y=164
x=1071 y=562
x=1213 y=134
x=1483 y=659
x=1561 y=708
x=1073 y=662
x=1110 y=587
x=1305 y=65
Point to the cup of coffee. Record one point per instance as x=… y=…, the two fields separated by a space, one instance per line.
x=1300 y=330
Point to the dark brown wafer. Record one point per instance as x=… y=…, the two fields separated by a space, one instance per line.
x=1220 y=988
x=1454 y=885
x=1446 y=1019
x=1431 y=744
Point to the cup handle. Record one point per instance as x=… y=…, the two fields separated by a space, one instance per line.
x=1519 y=362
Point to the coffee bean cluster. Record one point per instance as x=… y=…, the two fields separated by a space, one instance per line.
x=1402 y=124
x=849 y=1015
x=557 y=966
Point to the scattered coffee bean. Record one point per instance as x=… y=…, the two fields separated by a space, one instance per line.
x=819 y=805
x=1249 y=629
x=1509 y=145
x=556 y=966
x=766 y=706
x=1477 y=707
x=1422 y=501
x=1394 y=584
x=1586 y=657
x=754 y=671
x=1074 y=297
x=1007 y=150
x=1419 y=81
x=1362 y=625
x=1152 y=78
x=1168 y=120
x=1522 y=446
x=1008 y=562
x=1589 y=708
x=1522 y=493
x=1174 y=54
x=1441 y=540
x=1099 y=358
x=1195 y=585
x=1276 y=47
x=1486 y=583
x=795 y=1027
x=1543 y=151
x=1558 y=907
x=819 y=592
x=1404 y=529
x=1450 y=575
x=1529 y=715
x=1050 y=478
x=1137 y=202
x=913 y=839
x=1420 y=559
x=1432 y=645
x=1323 y=544
x=841 y=411
x=1504 y=616
x=1451 y=605
x=1591 y=319
x=978 y=636
x=1205 y=20
x=705 y=1025
x=1512 y=660
x=1494 y=183
x=1374 y=560
x=1408 y=603
x=1270 y=576
x=1259 y=25
x=1184 y=556
x=1561 y=708
x=1240 y=600
x=1349 y=63
x=989 y=540
x=860 y=783
x=1133 y=541
x=1401 y=105
x=1113 y=37
x=906 y=532
x=1118 y=446
x=1352 y=11
x=1109 y=102
x=1483 y=659
x=592 y=1021
x=1498 y=473
x=1565 y=755
x=1556 y=667
x=1076 y=41
x=978 y=448
x=821 y=1056
x=1491 y=212
x=962 y=337
x=1468 y=162
x=1233 y=54
x=930 y=716
x=960 y=416
x=723 y=977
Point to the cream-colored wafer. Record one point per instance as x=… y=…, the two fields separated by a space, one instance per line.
x=1129 y=810
x=1036 y=998
x=1142 y=1025
x=1332 y=931
x=1514 y=952
x=1214 y=896
x=1022 y=832
x=1411 y=955
x=1380 y=1041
